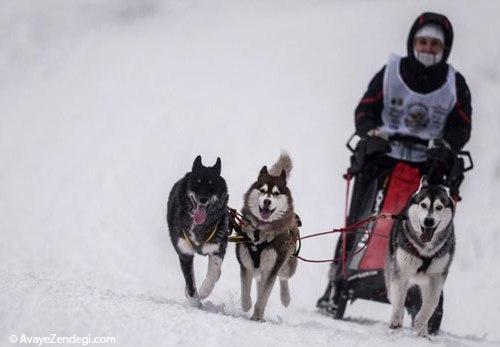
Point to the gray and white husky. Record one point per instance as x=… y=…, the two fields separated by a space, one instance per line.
x=198 y=223
x=421 y=249
x=268 y=205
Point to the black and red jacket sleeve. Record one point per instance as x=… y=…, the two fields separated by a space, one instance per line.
x=458 y=125
x=368 y=114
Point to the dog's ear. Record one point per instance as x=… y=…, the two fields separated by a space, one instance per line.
x=217 y=166
x=424 y=182
x=445 y=189
x=263 y=171
x=283 y=175
x=197 y=164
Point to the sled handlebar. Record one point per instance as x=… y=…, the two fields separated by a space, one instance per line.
x=348 y=143
x=410 y=140
x=466 y=154
x=429 y=144
x=407 y=139
x=413 y=140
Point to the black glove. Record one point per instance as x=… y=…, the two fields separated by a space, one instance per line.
x=440 y=160
x=366 y=148
x=377 y=145
x=442 y=156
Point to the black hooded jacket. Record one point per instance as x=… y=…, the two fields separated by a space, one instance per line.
x=421 y=79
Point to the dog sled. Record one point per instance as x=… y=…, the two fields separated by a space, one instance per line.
x=360 y=254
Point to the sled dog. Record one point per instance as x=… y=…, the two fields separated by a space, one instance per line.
x=198 y=223
x=268 y=205
x=421 y=249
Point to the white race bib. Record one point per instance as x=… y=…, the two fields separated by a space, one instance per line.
x=409 y=113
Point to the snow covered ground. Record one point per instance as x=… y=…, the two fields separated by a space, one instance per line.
x=106 y=103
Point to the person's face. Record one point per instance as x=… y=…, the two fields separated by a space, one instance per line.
x=427 y=45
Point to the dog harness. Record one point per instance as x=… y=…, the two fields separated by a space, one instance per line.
x=255 y=250
x=186 y=237
x=425 y=265
x=426 y=261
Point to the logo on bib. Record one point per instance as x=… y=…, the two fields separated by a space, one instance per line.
x=397 y=102
x=417 y=117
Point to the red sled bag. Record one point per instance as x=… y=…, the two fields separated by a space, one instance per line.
x=403 y=182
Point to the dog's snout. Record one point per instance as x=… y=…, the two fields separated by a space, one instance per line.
x=203 y=200
x=428 y=222
x=267 y=203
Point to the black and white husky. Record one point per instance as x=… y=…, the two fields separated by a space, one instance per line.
x=198 y=223
x=268 y=205
x=421 y=249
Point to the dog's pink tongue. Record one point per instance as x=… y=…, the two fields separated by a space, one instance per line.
x=265 y=214
x=426 y=235
x=200 y=214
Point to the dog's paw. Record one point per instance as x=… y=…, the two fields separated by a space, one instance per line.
x=246 y=304
x=285 y=298
x=206 y=289
x=191 y=295
x=257 y=318
x=423 y=332
x=194 y=300
x=421 y=327
x=396 y=323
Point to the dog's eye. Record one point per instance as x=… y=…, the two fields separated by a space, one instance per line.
x=276 y=193
x=439 y=208
x=262 y=190
x=423 y=205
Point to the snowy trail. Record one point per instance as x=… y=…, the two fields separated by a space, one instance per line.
x=158 y=319
x=106 y=104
